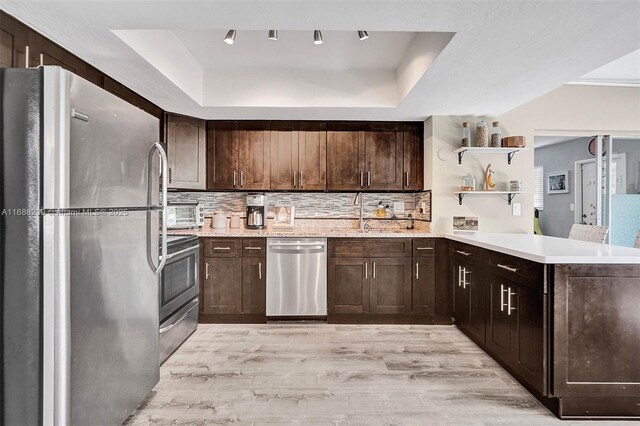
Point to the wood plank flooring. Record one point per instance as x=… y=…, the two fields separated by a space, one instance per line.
x=336 y=374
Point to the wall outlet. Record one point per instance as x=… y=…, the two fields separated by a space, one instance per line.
x=572 y=207
x=516 y=209
x=398 y=207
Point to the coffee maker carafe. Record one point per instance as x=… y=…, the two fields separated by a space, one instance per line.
x=256 y=211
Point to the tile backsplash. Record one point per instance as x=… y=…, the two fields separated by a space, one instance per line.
x=337 y=205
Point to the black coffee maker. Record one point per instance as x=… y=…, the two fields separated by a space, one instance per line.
x=256 y=211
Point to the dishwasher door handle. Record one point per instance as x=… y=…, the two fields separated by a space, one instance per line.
x=301 y=249
x=319 y=243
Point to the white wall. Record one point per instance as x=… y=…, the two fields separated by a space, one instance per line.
x=569 y=110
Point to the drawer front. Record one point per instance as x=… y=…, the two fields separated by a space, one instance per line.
x=222 y=247
x=424 y=247
x=370 y=247
x=516 y=269
x=466 y=251
x=254 y=247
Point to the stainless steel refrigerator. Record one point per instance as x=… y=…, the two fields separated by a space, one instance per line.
x=81 y=211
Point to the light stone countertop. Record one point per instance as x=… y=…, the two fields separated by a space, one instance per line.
x=308 y=232
x=551 y=250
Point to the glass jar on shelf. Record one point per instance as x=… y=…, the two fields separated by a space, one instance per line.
x=468 y=183
x=496 y=135
x=482 y=134
x=466 y=135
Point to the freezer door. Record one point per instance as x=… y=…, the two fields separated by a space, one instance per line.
x=101 y=317
x=95 y=146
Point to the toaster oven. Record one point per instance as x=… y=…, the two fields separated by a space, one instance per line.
x=184 y=214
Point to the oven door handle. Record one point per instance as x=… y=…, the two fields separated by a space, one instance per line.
x=181 y=252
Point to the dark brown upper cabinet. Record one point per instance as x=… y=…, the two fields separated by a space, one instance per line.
x=14 y=39
x=345 y=156
x=186 y=151
x=364 y=156
x=298 y=156
x=238 y=155
x=413 y=159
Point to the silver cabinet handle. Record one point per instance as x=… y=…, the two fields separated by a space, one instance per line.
x=374 y=270
x=460 y=275
x=361 y=178
x=369 y=178
x=41 y=59
x=509 y=294
x=294 y=179
x=366 y=270
x=502 y=290
x=206 y=270
x=300 y=180
x=234 y=179
x=26 y=56
x=508 y=268
x=417 y=273
x=253 y=248
x=260 y=270
x=406 y=179
x=241 y=178
x=464 y=280
x=464 y=253
x=425 y=248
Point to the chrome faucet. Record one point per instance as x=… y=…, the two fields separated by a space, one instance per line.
x=355 y=202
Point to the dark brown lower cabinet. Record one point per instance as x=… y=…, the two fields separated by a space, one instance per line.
x=390 y=286
x=383 y=280
x=348 y=286
x=234 y=284
x=222 y=289
x=469 y=298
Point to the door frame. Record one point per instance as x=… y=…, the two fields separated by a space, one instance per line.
x=577 y=182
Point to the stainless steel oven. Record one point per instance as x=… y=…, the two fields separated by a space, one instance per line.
x=179 y=291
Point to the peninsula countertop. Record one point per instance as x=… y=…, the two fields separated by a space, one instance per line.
x=550 y=250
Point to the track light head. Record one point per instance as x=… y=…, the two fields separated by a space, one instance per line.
x=273 y=35
x=317 y=37
x=231 y=37
x=363 y=35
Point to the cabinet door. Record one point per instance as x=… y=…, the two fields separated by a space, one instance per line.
x=284 y=155
x=254 y=156
x=345 y=156
x=348 y=286
x=413 y=157
x=222 y=155
x=474 y=287
x=14 y=39
x=391 y=286
x=312 y=156
x=45 y=52
x=383 y=154
x=527 y=336
x=424 y=285
x=221 y=291
x=186 y=146
x=253 y=285
x=460 y=304
x=498 y=318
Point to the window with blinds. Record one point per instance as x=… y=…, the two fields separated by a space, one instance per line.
x=538 y=187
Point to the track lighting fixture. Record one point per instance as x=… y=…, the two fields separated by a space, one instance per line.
x=317 y=37
x=231 y=37
x=273 y=35
x=363 y=35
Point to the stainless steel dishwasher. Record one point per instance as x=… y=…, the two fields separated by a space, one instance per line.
x=296 y=277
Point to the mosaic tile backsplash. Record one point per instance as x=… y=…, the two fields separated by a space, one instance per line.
x=312 y=205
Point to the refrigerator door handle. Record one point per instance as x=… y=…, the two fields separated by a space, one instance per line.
x=164 y=167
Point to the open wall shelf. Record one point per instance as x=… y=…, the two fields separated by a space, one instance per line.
x=487 y=150
x=510 y=194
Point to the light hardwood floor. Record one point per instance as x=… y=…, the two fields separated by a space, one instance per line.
x=342 y=374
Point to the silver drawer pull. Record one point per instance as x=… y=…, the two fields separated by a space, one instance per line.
x=222 y=248
x=425 y=248
x=206 y=270
x=417 y=271
x=253 y=248
x=508 y=268
x=260 y=270
x=464 y=253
